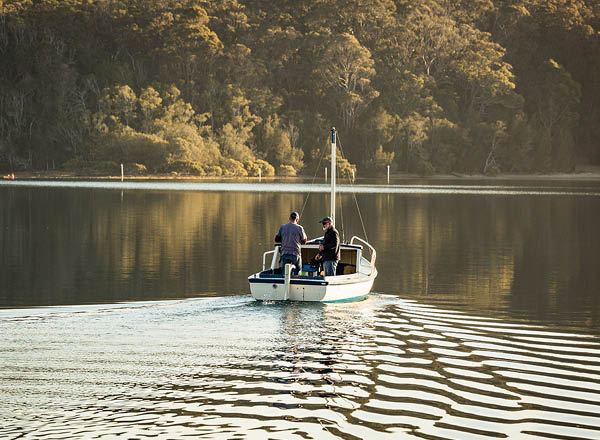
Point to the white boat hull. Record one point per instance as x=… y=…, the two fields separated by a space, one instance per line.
x=328 y=289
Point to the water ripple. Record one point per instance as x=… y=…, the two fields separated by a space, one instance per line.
x=232 y=368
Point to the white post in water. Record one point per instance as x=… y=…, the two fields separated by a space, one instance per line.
x=353 y=174
x=259 y=174
x=287 y=271
x=388 y=168
x=325 y=174
x=121 y=172
x=333 y=173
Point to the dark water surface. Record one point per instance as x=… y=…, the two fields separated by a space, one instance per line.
x=486 y=321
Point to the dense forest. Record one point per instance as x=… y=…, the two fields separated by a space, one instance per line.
x=228 y=87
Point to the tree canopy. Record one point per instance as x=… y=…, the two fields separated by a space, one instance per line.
x=228 y=87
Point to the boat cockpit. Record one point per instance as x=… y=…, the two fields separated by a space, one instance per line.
x=350 y=259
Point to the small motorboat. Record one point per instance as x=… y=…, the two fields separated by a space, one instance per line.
x=354 y=276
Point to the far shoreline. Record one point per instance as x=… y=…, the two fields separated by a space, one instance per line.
x=587 y=173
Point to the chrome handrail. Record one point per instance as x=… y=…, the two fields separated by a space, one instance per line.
x=373 y=251
x=265 y=256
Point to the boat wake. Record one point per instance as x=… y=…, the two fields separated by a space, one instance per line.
x=225 y=367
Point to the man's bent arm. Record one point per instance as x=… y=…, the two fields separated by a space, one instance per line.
x=331 y=242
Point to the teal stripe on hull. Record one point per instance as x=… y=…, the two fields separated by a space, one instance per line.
x=354 y=298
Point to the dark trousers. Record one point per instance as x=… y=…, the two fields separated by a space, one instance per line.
x=291 y=259
x=330 y=267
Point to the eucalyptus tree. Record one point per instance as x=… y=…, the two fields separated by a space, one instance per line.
x=347 y=69
x=276 y=143
x=368 y=20
x=555 y=97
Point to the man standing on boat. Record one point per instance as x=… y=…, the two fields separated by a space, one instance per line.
x=291 y=235
x=329 y=251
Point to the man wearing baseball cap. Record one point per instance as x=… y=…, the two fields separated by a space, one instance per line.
x=329 y=251
x=291 y=236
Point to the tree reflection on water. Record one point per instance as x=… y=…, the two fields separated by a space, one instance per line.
x=532 y=256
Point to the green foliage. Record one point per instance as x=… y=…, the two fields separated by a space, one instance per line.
x=96 y=168
x=75 y=164
x=154 y=129
x=136 y=169
x=267 y=169
x=423 y=167
x=236 y=136
x=347 y=70
x=184 y=167
x=252 y=169
x=233 y=168
x=129 y=145
x=447 y=143
x=276 y=143
x=214 y=170
x=518 y=156
x=428 y=85
x=380 y=161
x=286 y=171
x=412 y=134
x=260 y=168
x=118 y=104
x=344 y=167
x=104 y=168
x=555 y=95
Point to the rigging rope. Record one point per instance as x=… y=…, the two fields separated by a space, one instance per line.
x=353 y=192
x=339 y=142
x=312 y=182
x=342 y=219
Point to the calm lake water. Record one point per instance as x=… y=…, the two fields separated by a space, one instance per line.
x=485 y=322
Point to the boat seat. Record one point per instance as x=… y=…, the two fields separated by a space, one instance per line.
x=345 y=268
x=277 y=274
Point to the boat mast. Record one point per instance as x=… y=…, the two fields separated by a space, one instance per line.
x=333 y=172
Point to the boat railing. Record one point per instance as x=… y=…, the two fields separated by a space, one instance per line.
x=265 y=257
x=373 y=251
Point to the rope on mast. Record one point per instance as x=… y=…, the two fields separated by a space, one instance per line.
x=353 y=192
x=312 y=182
x=342 y=220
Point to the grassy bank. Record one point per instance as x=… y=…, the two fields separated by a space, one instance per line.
x=580 y=174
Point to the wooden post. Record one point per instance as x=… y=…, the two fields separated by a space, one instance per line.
x=325 y=174
x=121 y=172
x=259 y=174
x=388 y=172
